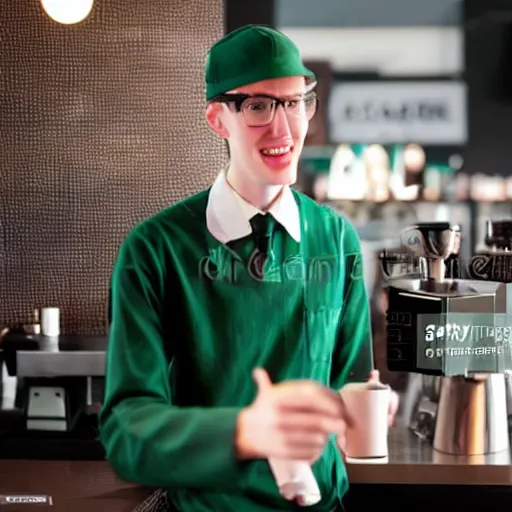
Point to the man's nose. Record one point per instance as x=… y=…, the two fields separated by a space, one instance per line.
x=280 y=125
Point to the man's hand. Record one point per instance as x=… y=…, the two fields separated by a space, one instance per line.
x=290 y=420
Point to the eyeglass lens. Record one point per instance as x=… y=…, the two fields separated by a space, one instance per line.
x=259 y=111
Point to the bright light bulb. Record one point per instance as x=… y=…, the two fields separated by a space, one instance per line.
x=414 y=158
x=67 y=12
x=375 y=155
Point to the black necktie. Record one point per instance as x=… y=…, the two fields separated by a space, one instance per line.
x=262 y=231
x=262 y=227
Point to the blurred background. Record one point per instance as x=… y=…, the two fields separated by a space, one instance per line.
x=103 y=125
x=414 y=121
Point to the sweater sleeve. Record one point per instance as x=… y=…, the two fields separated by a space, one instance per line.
x=148 y=440
x=353 y=355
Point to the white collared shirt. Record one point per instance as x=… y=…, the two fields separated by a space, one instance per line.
x=228 y=214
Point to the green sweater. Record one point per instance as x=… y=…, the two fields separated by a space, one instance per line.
x=190 y=323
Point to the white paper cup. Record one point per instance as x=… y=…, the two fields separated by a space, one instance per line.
x=369 y=408
x=50 y=321
x=296 y=481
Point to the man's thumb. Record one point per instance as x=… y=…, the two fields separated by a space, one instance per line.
x=262 y=379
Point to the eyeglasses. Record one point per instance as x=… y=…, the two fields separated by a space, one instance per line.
x=259 y=110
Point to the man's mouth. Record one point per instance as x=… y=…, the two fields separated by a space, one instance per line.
x=276 y=151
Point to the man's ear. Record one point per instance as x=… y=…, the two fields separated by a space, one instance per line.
x=214 y=116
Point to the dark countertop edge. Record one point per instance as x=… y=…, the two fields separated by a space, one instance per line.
x=411 y=461
x=391 y=473
x=51 y=449
x=430 y=474
x=424 y=475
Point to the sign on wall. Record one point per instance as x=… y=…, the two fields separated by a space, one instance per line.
x=367 y=13
x=426 y=112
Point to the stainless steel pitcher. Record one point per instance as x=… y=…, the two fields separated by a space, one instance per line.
x=472 y=416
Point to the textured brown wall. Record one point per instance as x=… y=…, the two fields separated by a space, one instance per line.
x=101 y=125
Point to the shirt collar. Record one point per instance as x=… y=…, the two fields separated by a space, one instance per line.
x=228 y=214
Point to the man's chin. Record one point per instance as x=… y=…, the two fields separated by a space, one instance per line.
x=287 y=176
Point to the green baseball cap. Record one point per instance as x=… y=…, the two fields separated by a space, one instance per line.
x=251 y=54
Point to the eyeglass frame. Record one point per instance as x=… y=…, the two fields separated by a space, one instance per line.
x=239 y=98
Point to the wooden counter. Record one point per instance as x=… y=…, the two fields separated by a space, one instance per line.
x=75 y=486
x=413 y=469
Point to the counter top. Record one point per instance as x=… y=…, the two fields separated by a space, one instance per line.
x=79 y=486
x=410 y=462
x=415 y=462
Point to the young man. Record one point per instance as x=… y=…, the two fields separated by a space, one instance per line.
x=241 y=286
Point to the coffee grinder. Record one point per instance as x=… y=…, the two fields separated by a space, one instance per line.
x=455 y=329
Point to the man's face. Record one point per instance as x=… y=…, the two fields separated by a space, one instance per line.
x=265 y=155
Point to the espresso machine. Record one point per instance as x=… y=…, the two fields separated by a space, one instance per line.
x=54 y=379
x=455 y=333
x=421 y=397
